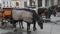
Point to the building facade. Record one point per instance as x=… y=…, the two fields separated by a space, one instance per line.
x=28 y=3
x=44 y=3
x=12 y=3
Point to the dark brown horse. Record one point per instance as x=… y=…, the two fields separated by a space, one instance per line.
x=41 y=11
x=47 y=11
x=51 y=11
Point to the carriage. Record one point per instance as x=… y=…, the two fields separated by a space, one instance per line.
x=27 y=15
x=5 y=15
x=30 y=17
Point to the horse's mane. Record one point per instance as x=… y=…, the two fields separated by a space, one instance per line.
x=29 y=10
x=52 y=7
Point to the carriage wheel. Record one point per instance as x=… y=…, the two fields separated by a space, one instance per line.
x=3 y=24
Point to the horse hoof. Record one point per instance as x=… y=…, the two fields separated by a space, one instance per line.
x=55 y=23
x=28 y=30
x=3 y=27
x=41 y=27
x=15 y=30
x=34 y=29
x=22 y=27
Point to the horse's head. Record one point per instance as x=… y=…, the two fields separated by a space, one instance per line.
x=40 y=22
x=52 y=10
x=38 y=19
x=55 y=10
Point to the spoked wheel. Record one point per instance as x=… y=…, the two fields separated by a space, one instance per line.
x=3 y=24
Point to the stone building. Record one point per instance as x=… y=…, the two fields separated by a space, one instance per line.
x=28 y=3
x=12 y=3
x=44 y=3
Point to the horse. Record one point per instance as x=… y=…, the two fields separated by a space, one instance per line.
x=30 y=17
x=51 y=11
x=41 y=11
x=47 y=12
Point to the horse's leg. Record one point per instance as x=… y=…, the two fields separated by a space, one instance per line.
x=28 y=27
x=34 y=25
x=14 y=25
x=2 y=23
x=22 y=24
x=49 y=17
x=11 y=19
x=19 y=23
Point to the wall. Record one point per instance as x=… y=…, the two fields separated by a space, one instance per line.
x=11 y=3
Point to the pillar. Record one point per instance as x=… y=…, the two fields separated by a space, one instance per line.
x=28 y=3
x=43 y=3
x=55 y=2
x=49 y=3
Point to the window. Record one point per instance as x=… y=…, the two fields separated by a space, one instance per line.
x=25 y=4
x=39 y=3
x=46 y=2
x=59 y=2
x=32 y=2
x=17 y=4
x=3 y=2
x=52 y=2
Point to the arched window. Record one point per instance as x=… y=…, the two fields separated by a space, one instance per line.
x=3 y=2
x=46 y=3
x=25 y=4
x=59 y=2
x=52 y=2
x=32 y=2
x=17 y=3
x=39 y=3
